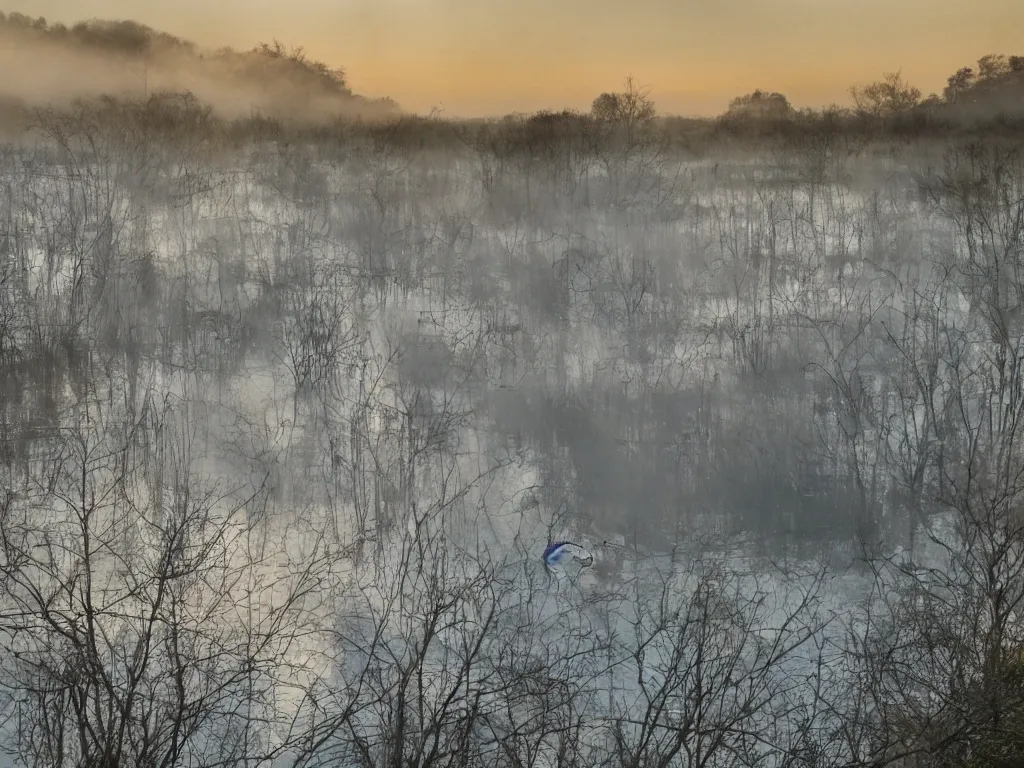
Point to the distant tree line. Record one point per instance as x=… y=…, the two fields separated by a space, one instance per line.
x=990 y=93
x=985 y=97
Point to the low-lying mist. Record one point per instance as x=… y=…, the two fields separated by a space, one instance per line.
x=289 y=418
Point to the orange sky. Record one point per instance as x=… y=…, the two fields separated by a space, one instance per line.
x=486 y=57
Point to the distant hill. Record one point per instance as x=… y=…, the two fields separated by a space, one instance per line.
x=56 y=64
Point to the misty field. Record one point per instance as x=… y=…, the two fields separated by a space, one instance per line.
x=289 y=419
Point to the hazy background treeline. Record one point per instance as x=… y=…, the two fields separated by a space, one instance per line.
x=57 y=64
x=291 y=407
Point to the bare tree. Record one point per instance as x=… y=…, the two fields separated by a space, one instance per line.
x=938 y=648
x=705 y=668
x=141 y=629
x=889 y=96
x=628 y=147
